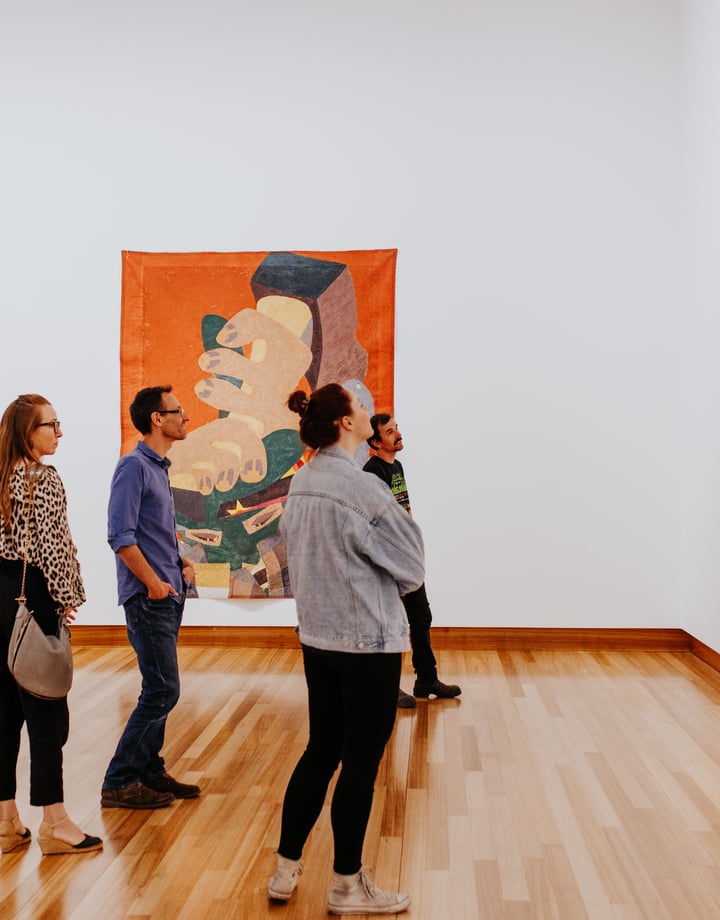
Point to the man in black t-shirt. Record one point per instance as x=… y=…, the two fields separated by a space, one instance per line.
x=387 y=443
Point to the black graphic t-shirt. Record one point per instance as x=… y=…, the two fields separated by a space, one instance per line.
x=394 y=475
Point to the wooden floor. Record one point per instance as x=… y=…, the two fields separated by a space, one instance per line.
x=562 y=784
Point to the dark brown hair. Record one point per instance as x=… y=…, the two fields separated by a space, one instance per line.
x=147 y=401
x=319 y=413
x=382 y=418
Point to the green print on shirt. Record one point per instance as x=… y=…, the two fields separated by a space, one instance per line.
x=399 y=489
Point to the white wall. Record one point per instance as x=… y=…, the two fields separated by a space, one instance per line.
x=524 y=157
x=702 y=317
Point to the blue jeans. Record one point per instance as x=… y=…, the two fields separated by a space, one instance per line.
x=152 y=627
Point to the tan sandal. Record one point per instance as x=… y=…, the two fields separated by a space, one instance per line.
x=51 y=846
x=10 y=836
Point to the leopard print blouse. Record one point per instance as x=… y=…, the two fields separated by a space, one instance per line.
x=51 y=547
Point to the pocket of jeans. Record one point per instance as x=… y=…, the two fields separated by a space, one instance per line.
x=157 y=604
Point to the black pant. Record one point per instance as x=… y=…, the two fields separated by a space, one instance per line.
x=417 y=610
x=352 y=700
x=48 y=721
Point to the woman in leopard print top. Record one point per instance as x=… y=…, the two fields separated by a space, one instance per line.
x=29 y=430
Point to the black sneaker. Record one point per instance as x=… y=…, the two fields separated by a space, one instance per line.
x=166 y=783
x=427 y=689
x=405 y=701
x=136 y=796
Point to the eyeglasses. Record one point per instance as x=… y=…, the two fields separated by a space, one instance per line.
x=55 y=425
x=178 y=411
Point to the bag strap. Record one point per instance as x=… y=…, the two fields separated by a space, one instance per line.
x=33 y=474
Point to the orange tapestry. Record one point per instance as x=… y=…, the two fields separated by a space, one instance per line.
x=234 y=334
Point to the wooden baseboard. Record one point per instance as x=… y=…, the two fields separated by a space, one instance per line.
x=520 y=638
x=450 y=638
x=704 y=652
x=200 y=636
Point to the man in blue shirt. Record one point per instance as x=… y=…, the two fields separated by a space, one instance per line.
x=151 y=580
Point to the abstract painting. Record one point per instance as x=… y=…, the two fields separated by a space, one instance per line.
x=235 y=334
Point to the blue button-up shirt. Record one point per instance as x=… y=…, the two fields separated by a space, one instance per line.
x=141 y=511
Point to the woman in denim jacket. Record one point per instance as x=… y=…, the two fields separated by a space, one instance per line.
x=352 y=552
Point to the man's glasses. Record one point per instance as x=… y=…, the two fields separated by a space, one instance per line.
x=178 y=411
x=54 y=424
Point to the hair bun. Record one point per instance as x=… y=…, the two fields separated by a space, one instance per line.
x=298 y=402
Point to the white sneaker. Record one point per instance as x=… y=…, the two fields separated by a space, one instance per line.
x=356 y=894
x=284 y=882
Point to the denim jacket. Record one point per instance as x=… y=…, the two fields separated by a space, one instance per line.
x=352 y=552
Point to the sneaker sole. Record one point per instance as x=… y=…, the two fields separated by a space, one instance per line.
x=278 y=896
x=367 y=909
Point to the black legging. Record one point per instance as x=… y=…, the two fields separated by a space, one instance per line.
x=353 y=702
x=47 y=720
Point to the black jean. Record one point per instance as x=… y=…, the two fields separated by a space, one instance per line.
x=352 y=702
x=417 y=610
x=47 y=721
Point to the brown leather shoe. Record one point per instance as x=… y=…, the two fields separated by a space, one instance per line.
x=167 y=783
x=429 y=689
x=405 y=700
x=136 y=796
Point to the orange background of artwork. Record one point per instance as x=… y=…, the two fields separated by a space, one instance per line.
x=165 y=296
